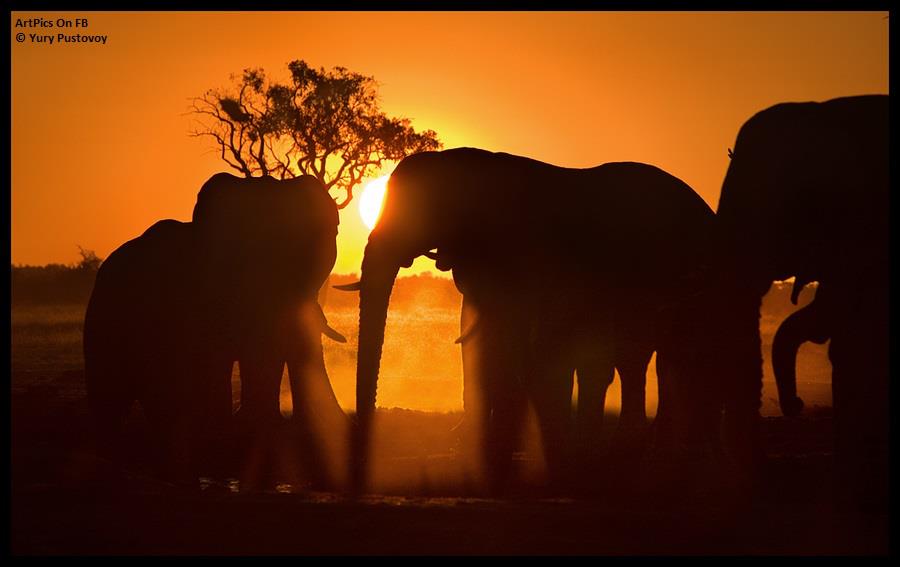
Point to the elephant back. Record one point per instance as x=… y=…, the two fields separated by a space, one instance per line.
x=143 y=295
x=160 y=257
x=229 y=204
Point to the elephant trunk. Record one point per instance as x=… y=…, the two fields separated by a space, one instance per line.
x=801 y=326
x=800 y=282
x=376 y=283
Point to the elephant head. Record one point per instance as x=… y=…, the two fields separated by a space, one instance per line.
x=266 y=243
x=805 y=195
x=288 y=226
x=790 y=187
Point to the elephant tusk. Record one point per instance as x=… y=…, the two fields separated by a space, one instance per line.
x=355 y=286
x=332 y=334
x=467 y=334
x=326 y=328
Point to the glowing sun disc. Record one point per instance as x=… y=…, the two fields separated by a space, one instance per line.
x=371 y=200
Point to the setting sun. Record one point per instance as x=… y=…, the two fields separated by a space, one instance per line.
x=371 y=199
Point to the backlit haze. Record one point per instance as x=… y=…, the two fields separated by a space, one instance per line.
x=100 y=145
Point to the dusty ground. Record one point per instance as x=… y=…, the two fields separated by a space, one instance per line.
x=66 y=501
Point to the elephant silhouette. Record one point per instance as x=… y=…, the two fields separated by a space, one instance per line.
x=275 y=241
x=173 y=309
x=511 y=228
x=806 y=195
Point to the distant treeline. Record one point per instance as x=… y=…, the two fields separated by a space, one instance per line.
x=72 y=284
x=54 y=283
x=60 y=284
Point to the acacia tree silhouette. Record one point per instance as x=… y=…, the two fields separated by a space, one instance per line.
x=90 y=262
x=325 y=123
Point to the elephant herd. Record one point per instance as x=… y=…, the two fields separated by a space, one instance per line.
x=172 y=310
x=562 y=272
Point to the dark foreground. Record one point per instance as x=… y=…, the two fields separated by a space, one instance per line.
x=151 y=520
x=66 y=501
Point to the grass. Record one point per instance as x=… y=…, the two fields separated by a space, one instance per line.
x=421 y=367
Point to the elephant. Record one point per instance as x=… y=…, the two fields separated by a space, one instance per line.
x=510 y=228
x=278 y=248
x=277 y=253
x=173 y=309
x=808 y=324
x=806 y=195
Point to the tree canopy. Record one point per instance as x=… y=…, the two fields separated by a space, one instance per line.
x=325 y=123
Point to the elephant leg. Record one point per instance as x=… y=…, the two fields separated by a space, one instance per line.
x=738 y=389
x=552 y=397
x=215 y=420
x=469 y=350
x=476 y=401
x=221 y=398
x=633 y=375
x=630 y=437
x=594 y=377
x=689 y=411
x=319 y=421
x=311 y=390
x=861 y=418
x=502 y=434
x=169 y=416
x=307 y=425
x=505 y=408
x=259 y=418
x=261 y=375
x=664 y=422
x=473 y=389
x=110 y=396
x=316 y=405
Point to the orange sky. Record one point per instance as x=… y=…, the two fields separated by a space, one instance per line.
x=100 y=145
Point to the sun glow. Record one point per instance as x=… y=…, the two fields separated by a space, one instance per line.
x=371 y=200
